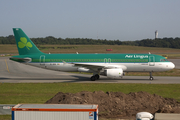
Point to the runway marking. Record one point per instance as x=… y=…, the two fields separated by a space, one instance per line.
x=7 y=66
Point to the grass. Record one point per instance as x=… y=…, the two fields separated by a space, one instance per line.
x=172 y=56
x=102 y=49
x=170 y=52
x=5 y=117
x=14 y=93
x=8 y=49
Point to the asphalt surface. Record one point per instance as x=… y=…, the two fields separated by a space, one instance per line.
x=13 y=72
x=5 y=109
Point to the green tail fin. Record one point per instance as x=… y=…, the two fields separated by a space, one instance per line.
x=24 y=44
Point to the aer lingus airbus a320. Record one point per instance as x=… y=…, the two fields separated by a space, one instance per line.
x=110 y=65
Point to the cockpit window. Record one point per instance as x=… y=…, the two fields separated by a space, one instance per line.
x=164 y=60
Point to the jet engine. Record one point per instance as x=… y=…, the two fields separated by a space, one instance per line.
x=113 y=73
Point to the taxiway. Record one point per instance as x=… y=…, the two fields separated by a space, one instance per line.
x=13 y=72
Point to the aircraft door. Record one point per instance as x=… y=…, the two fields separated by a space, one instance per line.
x=151 y=61
x=109 y=60
x=105 y=60
x=42 y=61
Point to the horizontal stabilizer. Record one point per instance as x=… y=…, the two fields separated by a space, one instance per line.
x=21 y=59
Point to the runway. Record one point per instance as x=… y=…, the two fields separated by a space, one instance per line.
x=13 y=72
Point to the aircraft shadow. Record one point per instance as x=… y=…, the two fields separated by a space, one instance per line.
x=75 y=78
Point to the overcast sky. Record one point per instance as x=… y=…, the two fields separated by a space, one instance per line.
x=106 y=19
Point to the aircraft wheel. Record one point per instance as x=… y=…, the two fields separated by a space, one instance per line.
x=96 y=76
x=151 y=78
x=93 y=78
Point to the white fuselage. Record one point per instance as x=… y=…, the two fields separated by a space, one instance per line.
x=127 y=67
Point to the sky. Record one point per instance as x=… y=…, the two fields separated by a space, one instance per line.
x=124 y=20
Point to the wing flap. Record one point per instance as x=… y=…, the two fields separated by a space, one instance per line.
x=97 y=68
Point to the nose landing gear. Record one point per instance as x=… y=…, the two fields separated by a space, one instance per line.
x=151 y=77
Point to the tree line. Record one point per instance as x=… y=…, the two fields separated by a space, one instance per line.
x=159 y=42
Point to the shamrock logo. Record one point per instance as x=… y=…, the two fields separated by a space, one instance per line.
x=24 y=43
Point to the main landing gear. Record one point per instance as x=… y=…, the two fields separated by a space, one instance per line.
x=151 y=77
x=95 y=77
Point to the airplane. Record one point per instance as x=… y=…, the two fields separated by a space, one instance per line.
x=111 y=65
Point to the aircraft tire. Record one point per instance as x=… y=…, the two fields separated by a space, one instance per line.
x=93 y=78
x=96 y=76
x=151 y=78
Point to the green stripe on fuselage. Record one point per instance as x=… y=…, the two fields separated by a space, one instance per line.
x=95 y=58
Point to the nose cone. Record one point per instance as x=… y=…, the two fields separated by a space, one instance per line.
x=171 y=65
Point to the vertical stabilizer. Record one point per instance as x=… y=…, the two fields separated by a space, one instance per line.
x=24 y=44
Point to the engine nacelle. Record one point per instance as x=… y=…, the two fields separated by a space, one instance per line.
x=113 y=73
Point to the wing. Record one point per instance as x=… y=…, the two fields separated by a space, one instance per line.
x=97 y=68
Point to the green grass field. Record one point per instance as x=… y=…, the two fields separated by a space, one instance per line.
x=5 y=117
x=171 y=53
x=14 y=93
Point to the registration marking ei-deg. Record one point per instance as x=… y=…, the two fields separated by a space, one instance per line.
x=7 y=66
